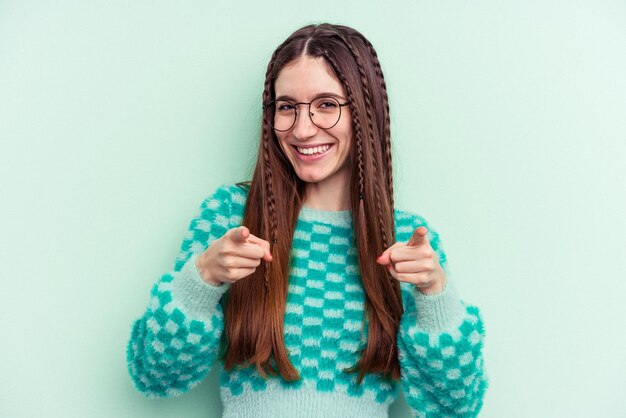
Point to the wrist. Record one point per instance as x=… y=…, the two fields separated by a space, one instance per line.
x=431 y=290
x=205 y=274
x=438 y=285
x=192 y=295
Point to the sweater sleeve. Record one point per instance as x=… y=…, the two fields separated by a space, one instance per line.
x=440 y=344
x=173 y=345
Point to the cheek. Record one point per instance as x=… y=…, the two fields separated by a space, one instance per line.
x=347 y=136
x=347 y=133
x=285 y=150
x=281 y=142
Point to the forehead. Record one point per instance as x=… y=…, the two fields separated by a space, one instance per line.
x=306 y=77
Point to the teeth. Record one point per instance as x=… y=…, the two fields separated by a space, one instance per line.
x=317 y=150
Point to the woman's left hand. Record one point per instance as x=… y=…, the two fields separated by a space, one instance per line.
x=415 y=262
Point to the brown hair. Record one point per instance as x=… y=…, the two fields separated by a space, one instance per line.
x=255 y=307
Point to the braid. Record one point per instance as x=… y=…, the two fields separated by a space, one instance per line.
x=359 y=154
x=387 y=125
x=370 y=128
x=270 y=200
x=356 y=119
x=269 y=190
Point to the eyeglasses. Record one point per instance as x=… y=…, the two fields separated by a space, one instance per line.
x=324 y=112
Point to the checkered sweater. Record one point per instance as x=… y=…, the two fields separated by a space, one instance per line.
x=175 y=343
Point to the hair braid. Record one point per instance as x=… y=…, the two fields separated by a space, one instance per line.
x=370 y=127
x=271 y=202
x=387 y=124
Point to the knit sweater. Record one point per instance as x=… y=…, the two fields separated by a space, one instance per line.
x=174 y=344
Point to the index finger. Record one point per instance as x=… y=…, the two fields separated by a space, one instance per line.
x=239 y=234
x=419 y=237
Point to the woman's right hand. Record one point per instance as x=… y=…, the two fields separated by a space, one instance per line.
x=234 y=256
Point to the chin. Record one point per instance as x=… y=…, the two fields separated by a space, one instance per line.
x=311 y=177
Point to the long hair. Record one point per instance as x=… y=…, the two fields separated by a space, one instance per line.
x=255 y=307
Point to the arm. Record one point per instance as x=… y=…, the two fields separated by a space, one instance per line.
x=174 y=344
x=440 y=345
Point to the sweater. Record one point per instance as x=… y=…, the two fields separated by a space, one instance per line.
x=174 y=345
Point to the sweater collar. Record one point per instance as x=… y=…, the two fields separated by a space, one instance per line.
x=342 y=218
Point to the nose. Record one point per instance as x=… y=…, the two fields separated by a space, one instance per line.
x=304 y=127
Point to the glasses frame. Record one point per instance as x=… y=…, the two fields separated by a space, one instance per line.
x=268 y=105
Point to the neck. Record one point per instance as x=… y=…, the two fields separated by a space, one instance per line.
x=327 y=197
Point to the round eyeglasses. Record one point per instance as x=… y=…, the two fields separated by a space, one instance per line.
x=324 y=112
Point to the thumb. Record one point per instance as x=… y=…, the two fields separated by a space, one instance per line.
x=385 y=257
x=239 y=234
x=267 y=256
x=419 y=237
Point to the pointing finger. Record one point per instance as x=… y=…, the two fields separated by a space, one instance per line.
x=239 y=234
x=419 y=237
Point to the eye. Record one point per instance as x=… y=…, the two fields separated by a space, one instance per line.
x=282 y=106
x=327 y=104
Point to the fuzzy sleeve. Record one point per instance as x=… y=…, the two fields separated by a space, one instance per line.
x=173 y=345
x=440 y=343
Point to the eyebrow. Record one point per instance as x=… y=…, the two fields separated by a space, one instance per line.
x=324 y=94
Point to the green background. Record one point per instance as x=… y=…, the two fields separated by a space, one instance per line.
x=118 y=117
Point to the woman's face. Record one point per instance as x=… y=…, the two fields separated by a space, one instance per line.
x=318 y=156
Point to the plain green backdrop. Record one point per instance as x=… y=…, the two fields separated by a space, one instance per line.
x=117 y=118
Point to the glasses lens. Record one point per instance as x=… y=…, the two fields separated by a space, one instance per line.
x=325 y=112
x=284 y=115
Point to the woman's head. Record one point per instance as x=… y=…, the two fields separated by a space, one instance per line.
x=339 y=59
x=352 y=70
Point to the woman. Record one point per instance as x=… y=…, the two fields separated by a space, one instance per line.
x=316 y=296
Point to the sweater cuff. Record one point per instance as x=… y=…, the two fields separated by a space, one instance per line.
x=194 y=296
x=442 y=312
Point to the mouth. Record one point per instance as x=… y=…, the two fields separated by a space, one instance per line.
x=314 y=150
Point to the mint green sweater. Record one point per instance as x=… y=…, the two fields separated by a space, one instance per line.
x=174 y=344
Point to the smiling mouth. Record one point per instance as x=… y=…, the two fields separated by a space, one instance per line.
x=321 y=149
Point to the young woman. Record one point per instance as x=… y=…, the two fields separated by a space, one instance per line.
x=314 y=294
